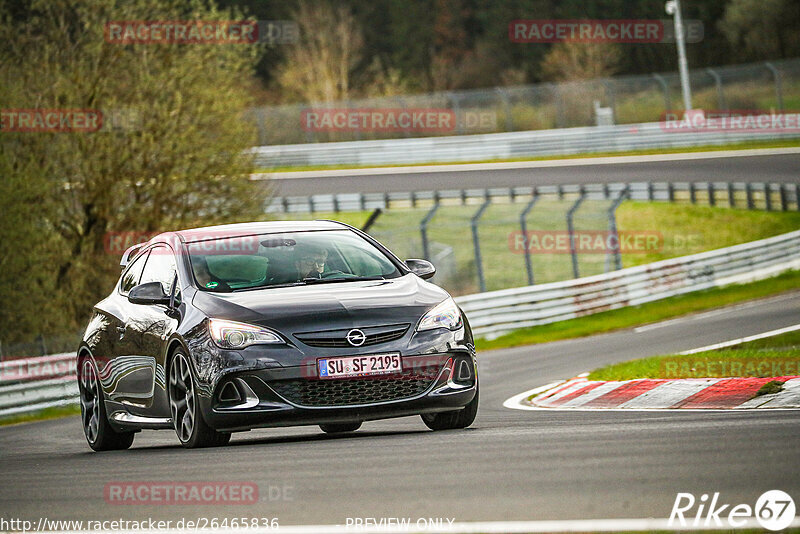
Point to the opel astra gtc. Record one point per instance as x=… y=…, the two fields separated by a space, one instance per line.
x=224 y=329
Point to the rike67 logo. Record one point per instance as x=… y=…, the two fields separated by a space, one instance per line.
x=774 y=510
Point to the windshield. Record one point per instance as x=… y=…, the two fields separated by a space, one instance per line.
x=279 y=260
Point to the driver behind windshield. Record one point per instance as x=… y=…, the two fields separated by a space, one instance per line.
x=310 y=261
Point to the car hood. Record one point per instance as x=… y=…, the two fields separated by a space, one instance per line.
x=330 y=306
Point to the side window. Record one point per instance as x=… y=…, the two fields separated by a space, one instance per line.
x=160 y=267
x=132 y=275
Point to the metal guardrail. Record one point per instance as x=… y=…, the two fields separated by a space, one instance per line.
x=565 y=141
x=32 y=384
x=751 y=195
x=493 y=313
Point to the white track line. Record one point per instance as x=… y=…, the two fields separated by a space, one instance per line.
x=741 y=340
x=503 y=165
x=515 y=402
x=487 y=527
x=712 y=313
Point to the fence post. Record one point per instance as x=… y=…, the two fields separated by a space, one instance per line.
x=371 y=220
x=748 y=187
x=768 y=196
x=348 y=106
x=456 y=108
x=797 y=196
x=784 y=200
x=559 y=106
x=712 y=201
x=692 y=193
x=506 y=108
x=423 y=229
x=720 y=95
x=476 y=242
x=776 y=74
x=523 y=224
x=402 y=101
x=611 y=98
x=670 y=191
x=612 y=227
x=571 y=232
x=663 y=83
x=731 y=195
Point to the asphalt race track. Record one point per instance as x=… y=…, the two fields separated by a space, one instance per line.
x=510 y=465
x=763 y=168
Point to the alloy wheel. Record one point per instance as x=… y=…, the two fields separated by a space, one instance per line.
x=90 y=400
x=181 y=397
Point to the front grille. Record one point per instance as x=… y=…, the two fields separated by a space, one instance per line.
x=338 y=338
x=352 y=391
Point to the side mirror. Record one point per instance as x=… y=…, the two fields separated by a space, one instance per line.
x=148 y=293
x=422 y=268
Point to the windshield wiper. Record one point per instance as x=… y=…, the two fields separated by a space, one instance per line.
x=290 y=284
x=332 y=280
x=309 y=281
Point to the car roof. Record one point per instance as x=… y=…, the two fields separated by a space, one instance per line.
x=193 y=235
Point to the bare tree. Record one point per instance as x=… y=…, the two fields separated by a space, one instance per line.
x=319 y=67
x=766 y=29
x=573 y=61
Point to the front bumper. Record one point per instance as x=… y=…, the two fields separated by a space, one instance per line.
x=292 y=396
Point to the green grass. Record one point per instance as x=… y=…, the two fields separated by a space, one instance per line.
x=770 y=388
x=773 y=356
x=47 y=413
x=642 y=152
x=689 y=229
x=646 y=313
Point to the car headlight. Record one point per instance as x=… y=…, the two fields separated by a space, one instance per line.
x=444 y=315
x=233 y=335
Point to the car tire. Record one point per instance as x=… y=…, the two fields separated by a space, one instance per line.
x=455 y=419
x=98 y=431
x=192 y=430
x=338 y=428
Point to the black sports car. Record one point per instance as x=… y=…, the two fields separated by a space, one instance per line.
x=228 y=328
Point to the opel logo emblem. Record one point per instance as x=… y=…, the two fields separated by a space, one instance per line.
x=356 y=337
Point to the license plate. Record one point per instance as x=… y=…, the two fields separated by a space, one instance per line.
x=367 y=365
